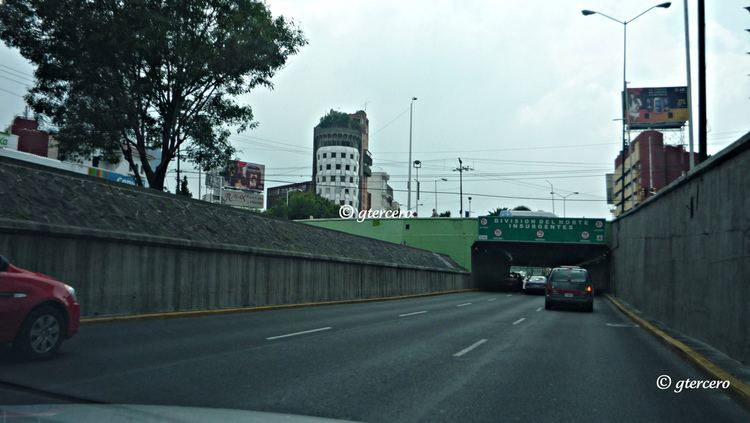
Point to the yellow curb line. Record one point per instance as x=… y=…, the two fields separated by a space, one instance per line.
x=737 y=386
x=197 y=313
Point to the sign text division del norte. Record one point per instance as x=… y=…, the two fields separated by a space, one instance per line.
x=542 y=229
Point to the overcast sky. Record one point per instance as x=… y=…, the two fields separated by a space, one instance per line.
x=524 y=92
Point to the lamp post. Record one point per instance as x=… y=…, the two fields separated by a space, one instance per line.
x=552 y=194
x=408 y=181
x=565 y=197
x=624 y=86
x=417 y=165
x=436 y=181
x=287 y=195
x=469 y=207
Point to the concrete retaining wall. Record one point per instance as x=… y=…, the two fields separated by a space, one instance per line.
x=129 y=250
x=120 y=273
x=683 y=258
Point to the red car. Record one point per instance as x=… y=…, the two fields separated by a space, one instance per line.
x=37 y=312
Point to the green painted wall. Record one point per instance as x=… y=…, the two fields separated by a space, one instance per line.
x=451 y=236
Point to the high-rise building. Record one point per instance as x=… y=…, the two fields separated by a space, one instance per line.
x=341 y=160
x=649 y=166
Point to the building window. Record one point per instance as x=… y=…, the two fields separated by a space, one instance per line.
x=320 y=167
x=351 y=156
x=351 y=179
x=346 y=191
x=324 y=179
x=338 y=167
x=333 y=155
x=341 y=202
x=350 y=203
x=342 y=178
x=328 y=167
x=347 y=167
x=324 y=155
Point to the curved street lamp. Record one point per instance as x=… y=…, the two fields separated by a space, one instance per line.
x=624 y=24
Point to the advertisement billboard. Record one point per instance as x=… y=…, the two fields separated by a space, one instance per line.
x=243 y=175
x=542 y=229
x=111 y=176
x=242 y=198
x=663 y=107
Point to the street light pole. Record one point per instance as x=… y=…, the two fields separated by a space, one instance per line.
x=552 y=194
x=287 y=195
x=436 y=181
x=408 y=181
x=625 y=125
x=417 y=165
x=565 y=197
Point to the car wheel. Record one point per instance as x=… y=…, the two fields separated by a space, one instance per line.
x=547 y=305
x=41 y=334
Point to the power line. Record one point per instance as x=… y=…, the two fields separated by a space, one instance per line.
x=11 y=92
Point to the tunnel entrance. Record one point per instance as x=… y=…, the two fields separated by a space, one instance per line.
x=491 y=260
x=539 y=241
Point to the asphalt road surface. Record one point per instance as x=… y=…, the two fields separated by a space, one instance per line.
x=473 y=357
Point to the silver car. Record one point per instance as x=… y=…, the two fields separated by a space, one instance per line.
x=534 y=284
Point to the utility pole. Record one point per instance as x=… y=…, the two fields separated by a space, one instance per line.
x=702 y=147
x=461 y=169
x=408 y=179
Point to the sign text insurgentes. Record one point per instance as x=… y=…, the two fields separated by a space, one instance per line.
x=541 y=229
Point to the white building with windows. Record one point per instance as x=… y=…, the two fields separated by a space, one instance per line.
x=382 y=193
x=337 y=174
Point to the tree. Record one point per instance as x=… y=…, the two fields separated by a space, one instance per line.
x=521 y=208
x=497 y=211
x=183 y=188
x=446 y=213
x=302 y=205
x=336 y=119
x=133 y=78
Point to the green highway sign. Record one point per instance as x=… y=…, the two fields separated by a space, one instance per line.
x=542 y=229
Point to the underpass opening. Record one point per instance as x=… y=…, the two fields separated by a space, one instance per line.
x=539 y=242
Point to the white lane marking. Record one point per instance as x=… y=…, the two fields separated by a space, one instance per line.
x=492 y=299
x=299 y=333
x=509 y=295
x=412 y=314
x=622 y=325
x=519 y=320
x=469 y=348
x=464 y=304
x=539 y=309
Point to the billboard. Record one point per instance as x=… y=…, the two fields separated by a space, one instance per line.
x=243 y=175
x=542 y=229
x=664 y=107
x=242 y=198
x=112 y=176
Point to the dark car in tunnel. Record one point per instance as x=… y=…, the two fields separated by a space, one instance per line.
x=571 y=286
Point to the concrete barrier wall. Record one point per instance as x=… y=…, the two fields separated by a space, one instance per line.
x=122 y=273
x=683 y=258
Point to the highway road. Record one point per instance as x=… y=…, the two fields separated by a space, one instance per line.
x=473 y=357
